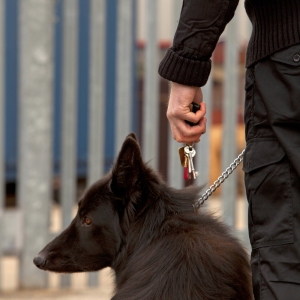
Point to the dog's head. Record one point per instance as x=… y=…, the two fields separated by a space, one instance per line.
x=94 y=237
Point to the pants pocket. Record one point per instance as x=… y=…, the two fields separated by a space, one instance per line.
x=275 y=272
x=268 y=187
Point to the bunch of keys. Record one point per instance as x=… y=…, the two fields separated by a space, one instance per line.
x=187 y=152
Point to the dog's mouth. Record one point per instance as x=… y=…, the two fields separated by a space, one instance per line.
x=53 y=266
x=52 y=262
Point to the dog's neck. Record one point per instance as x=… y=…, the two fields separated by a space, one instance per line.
x=160 y=206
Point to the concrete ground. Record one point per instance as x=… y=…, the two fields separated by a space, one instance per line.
x=87 y=294
x=79 y=290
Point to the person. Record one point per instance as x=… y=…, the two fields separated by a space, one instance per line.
x=272 y=124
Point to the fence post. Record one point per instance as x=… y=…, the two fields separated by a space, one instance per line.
x=150 y=98
x=2 y=106
x=175 y=173
x=124 y=72
x=202 y=148
x=69 y=116
x=230 y=102
x=177 y=5
x=36 y=25
x=2 y=124
x=97 y=100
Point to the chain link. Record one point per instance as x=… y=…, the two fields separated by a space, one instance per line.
x=219 y=181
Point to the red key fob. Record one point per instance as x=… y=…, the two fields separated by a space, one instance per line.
x=186 y=173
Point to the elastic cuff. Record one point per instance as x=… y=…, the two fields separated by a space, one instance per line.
x=183 y=70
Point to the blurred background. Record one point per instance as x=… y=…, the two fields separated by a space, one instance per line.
x=76 y=76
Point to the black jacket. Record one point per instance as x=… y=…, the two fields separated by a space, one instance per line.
x=276 y=25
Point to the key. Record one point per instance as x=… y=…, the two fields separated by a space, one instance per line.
x=183 y=157
x=184 y=162
x=190 y=153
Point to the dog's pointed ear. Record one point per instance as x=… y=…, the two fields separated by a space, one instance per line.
x=126 y=172
x=132 y=135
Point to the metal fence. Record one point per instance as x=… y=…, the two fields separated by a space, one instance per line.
x=51 y=71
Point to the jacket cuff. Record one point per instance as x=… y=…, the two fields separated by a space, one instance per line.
x=183 y=70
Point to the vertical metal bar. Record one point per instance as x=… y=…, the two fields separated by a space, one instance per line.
x=175 y=171
x=2 y=123
x=110 y=84
x=202 y=148
x=134 y=74
x=35 y=150
x=230 y=103
x=177 y=5
x=97 y=91
x=124 y=72
x=69 y=115
x=2 y=107
x=150 y=102
x=97 y=100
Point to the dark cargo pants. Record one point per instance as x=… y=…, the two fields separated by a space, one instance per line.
x=272 y=174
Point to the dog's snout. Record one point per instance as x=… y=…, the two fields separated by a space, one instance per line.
x=39 y=261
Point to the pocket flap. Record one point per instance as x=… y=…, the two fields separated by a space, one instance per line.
x=261 y=153
x=285 y=272
x=286 y=56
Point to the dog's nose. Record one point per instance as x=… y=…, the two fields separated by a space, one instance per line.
x=39 y=261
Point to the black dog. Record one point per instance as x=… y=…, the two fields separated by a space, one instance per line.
x=148 y=232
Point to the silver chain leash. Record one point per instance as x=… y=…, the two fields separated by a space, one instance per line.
x=219 y=181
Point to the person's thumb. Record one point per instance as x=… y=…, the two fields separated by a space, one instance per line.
x=198 y=96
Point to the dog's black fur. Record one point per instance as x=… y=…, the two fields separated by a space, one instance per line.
x=148 y=232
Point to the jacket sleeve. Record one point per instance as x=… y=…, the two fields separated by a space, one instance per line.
x=200 y=26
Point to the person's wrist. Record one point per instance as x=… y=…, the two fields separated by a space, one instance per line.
x=184 y=91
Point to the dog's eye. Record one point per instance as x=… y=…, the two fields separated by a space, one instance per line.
x=87 y=221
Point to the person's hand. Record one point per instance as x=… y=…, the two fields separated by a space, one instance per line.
x=181 y=97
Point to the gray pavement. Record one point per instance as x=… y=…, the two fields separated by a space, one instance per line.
x=77 y=291
x=88 y=293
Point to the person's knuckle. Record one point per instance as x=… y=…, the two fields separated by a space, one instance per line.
x=168 y=114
